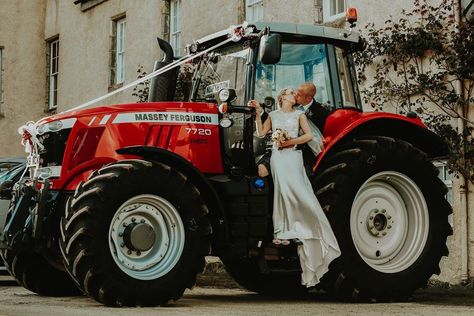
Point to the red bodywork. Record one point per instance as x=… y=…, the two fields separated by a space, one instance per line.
x=341 y=122
x=99 y=132
x=190 y=130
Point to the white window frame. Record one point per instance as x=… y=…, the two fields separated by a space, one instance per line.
x=443 y=171
x=1 y=80
x=53 y=74
x=254 y=10
x=175 y=26
x=327 y=5
x=120 y=50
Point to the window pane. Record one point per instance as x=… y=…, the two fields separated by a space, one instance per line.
x=1 y=79
x=340 y=6
x=335 y=7
x=445 y=176
x=299 y=63
x=120 y=51
x=175 y=26
x=345 y=79
x=53 y=74
x=254 y=10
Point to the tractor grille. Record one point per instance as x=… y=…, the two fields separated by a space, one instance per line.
x=55 y=145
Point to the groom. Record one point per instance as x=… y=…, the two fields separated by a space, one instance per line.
x=316 y=113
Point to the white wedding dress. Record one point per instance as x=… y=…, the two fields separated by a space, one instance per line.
x=296 y=210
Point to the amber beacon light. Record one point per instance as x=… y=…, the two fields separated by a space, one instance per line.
x=351 y=15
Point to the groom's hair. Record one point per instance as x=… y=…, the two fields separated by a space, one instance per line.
x=309 y=88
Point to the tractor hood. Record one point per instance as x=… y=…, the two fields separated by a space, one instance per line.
x=143 y=111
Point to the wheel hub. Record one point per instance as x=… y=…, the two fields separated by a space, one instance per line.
x=146 y=237
x=139 y=237
x=379 y=222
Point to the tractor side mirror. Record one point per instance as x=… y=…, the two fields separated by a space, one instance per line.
x=270 y=49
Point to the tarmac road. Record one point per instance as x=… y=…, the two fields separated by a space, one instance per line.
x=15 y=300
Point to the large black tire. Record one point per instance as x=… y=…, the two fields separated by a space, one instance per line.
x=247 y=273
x=33 y=272
x=90 y=258
x=342 y=174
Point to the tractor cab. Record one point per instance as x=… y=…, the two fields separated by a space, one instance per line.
x=272 y=57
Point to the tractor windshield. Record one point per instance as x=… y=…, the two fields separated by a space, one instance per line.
x=224 y=68
x=327 y=66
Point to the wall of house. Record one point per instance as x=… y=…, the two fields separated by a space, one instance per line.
x=206 y=17
x=85 y=44
x=24 y=64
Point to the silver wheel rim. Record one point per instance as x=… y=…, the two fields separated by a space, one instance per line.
x=389 y=222
x=166 y=242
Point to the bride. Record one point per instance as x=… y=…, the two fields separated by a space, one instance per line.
x=297 y=214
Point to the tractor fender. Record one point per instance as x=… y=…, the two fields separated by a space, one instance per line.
x=383 y=124
x=208 y=193
x=81 y=174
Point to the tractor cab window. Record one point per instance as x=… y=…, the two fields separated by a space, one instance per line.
x=299 y=63
x=346 y=79
x=225 y=68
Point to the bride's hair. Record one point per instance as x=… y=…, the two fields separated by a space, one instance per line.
x=281 y=94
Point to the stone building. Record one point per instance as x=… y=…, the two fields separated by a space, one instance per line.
x=57 y=54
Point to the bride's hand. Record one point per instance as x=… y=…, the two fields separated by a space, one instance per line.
x=283 y=144
x=256 y=105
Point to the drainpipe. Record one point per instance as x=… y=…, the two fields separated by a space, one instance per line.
x=463 y=190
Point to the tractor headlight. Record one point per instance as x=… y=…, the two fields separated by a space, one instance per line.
x=226 y=95
x=50 y=127
x=226 y=122
x=54 y=126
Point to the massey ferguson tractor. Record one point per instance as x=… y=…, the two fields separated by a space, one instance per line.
x=123 y=202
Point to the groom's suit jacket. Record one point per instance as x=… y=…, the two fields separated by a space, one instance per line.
x=317 y=114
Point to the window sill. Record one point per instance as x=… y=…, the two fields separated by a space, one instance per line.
x=89 y=4
x=334 y=18
x=336 y=21
x=51 y=110
x=115 y=86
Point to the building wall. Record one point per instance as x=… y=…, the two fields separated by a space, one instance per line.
x=293 y=11
x=85 y=43
x=206 y=17
x=24 y=63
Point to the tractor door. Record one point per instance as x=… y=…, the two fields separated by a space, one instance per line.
x=226 y=68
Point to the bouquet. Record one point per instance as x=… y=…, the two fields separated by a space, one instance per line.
x=280 y=135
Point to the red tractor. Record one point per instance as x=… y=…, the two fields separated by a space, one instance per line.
x=124 y=202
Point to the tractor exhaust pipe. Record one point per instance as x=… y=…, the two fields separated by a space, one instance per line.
x=163 y=87
x=167 y=49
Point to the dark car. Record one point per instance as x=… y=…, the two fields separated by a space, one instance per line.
x=11 y=170
x=7 y=164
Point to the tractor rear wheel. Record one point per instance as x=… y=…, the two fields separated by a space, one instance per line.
x=135 y=233
x=387 y=209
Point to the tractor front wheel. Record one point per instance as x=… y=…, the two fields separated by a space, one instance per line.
x=32 y=271
x=135 y=233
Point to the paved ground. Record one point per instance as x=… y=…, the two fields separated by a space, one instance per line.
x=15 y=300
